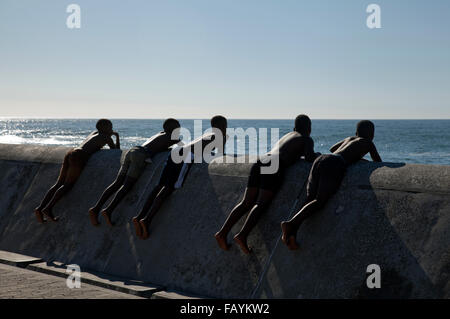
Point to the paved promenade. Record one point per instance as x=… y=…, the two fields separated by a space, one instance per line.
x=23 y=283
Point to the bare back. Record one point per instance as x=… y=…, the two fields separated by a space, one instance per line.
x=354 y=148
x=95 y=141
x=159 y=142
x=198 y=146
x=201 y=142
x=292 y=146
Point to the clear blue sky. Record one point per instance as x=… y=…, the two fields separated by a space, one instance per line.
x=240 y=58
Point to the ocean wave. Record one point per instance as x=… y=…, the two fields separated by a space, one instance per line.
x=49 y=140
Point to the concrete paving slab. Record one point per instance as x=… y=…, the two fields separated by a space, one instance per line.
x=18 y=260
x=22 y=283
x=116 y=283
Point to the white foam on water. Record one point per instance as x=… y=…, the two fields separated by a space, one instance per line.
x=12 y=139
x=51 y=140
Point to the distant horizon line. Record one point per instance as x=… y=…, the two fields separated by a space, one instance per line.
x=229 y=118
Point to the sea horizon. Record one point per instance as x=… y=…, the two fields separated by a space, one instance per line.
x=206 y=118
x=406 y=140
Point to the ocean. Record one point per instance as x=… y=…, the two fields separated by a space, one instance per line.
x=405 y=141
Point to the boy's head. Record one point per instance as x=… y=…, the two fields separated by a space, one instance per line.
x=303 y=125
x=104 y=126
x=219 y=122
x=170 y=124
x=365 y=129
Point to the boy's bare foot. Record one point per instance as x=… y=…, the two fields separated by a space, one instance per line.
x=39 y=216
x=137 y=227
x=144 y=228
x=242 y=243
x=288 y=238
x=292 y=243
x=47 y=212
x=93 y=216
x=222 y=241
x=107 y=217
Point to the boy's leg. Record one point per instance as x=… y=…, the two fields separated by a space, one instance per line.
x=135 y=160
x=157 y=203
x=290 y=227
x=244 y=206
x=250 y=196
x=111 y=189
x=312 y=187
x=76 y=165
x=47 y=211
x=123 y=191
x=148 y=204
x=169 y=177
x=51 y=192
x=262 y=203
x=328 y=183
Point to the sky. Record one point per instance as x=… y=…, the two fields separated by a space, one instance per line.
x=245 y=59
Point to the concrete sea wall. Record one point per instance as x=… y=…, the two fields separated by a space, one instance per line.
x=390 y=214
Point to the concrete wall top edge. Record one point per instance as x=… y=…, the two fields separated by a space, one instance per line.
x=392 y=176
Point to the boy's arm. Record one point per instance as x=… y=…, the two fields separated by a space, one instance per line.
x=224 y=141
x=310 y=156
x=374 y=153
x=180 y=143
x=117 y=139
x=171 y=142
x=110 y=142
x=172 y=139
x=336 y=146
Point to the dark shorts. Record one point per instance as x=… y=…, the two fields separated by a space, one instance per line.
x=325 y=176
x=271 y=182
x=174 y=174
x=134 y=162
x=73 y=164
